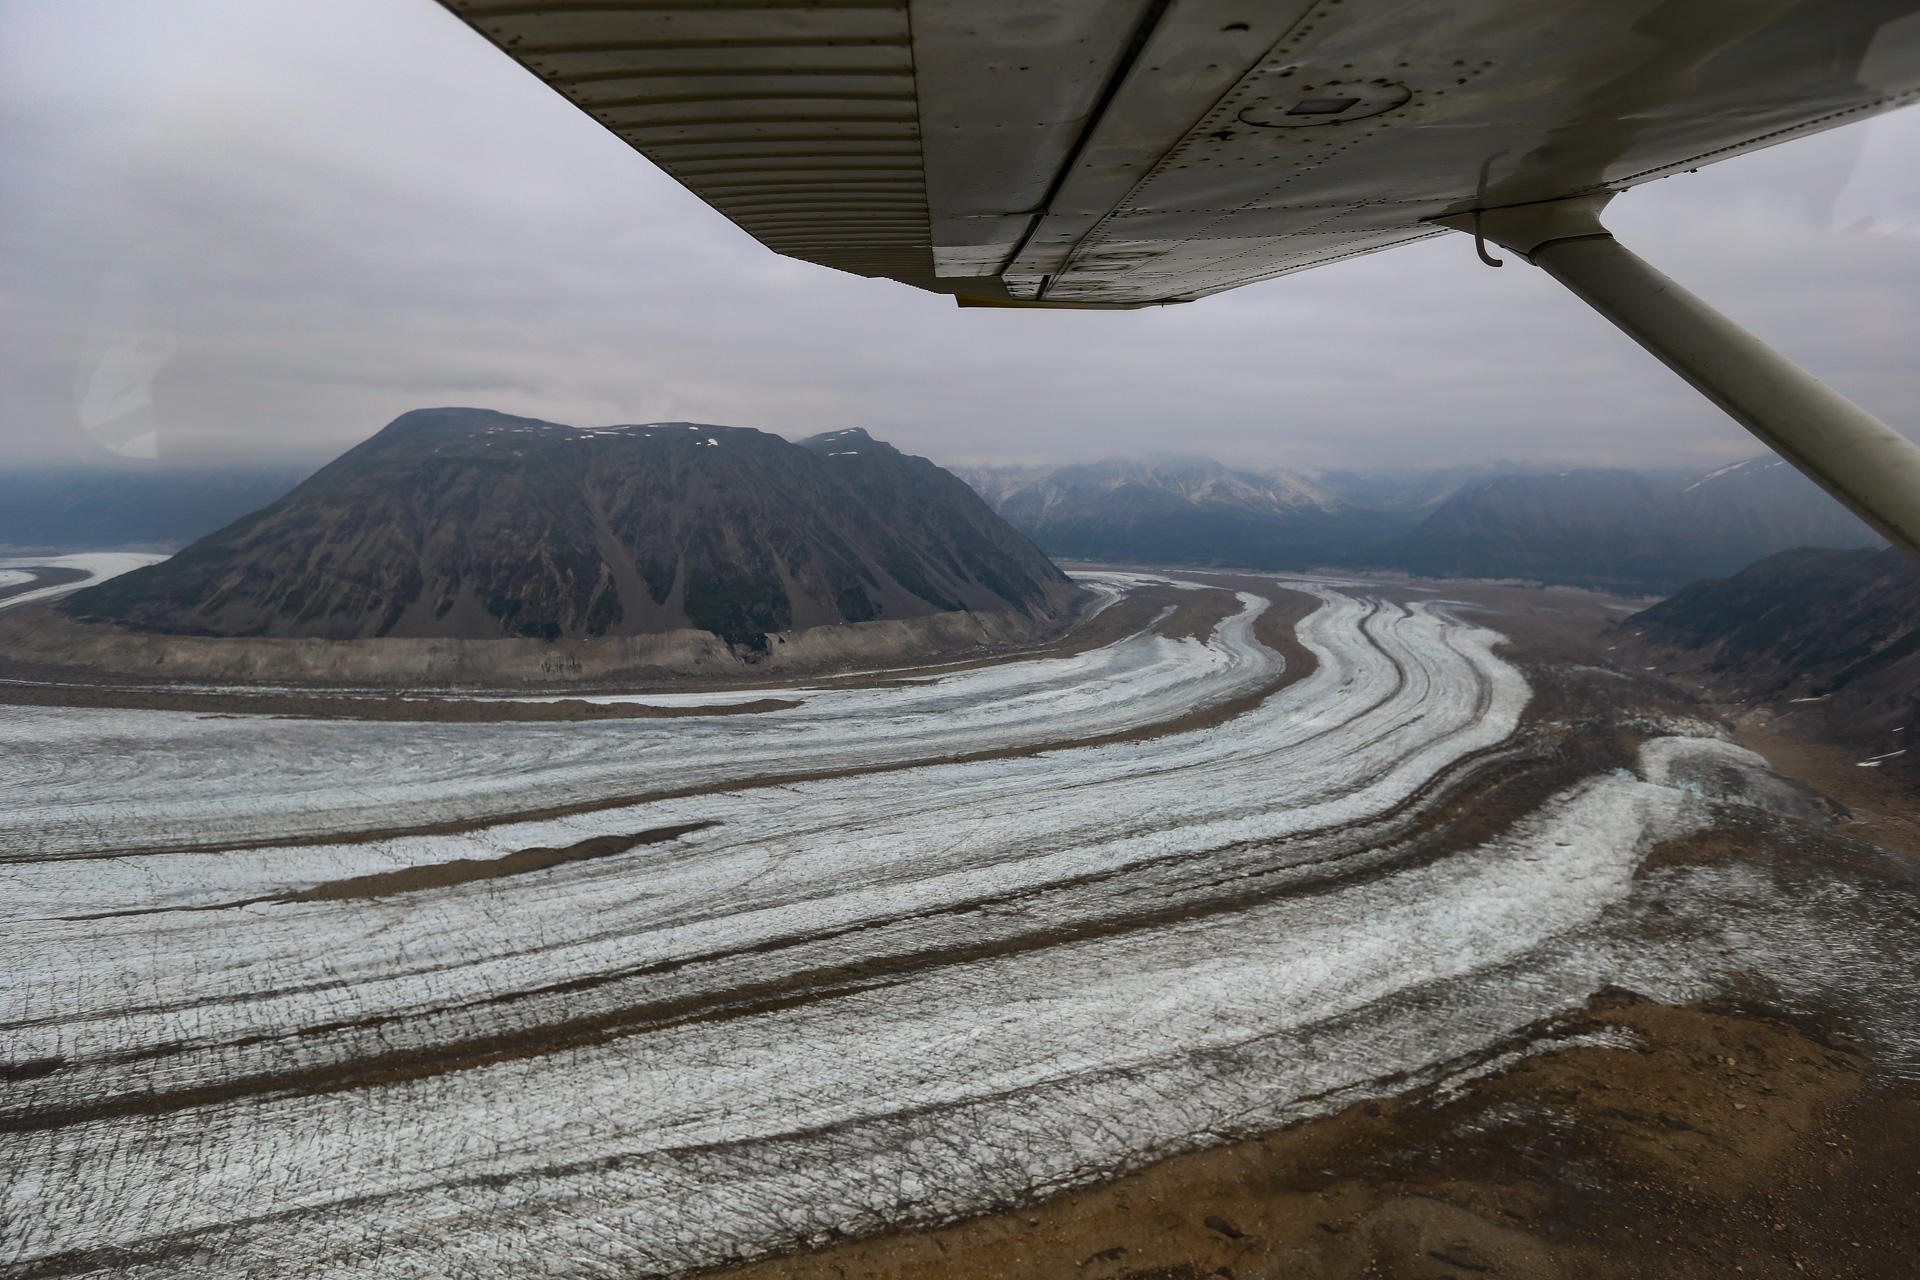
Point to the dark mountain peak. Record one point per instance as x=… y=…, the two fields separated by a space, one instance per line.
x=465 y=523
x=506 y=439
x=849 y=442
x=425 y=427
x=454 y=419
x=694 y=434
x=482 y=424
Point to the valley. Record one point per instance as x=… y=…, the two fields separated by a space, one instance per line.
x=662 y=995
x=684 y=640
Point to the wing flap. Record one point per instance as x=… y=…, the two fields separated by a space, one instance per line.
x=798 y=121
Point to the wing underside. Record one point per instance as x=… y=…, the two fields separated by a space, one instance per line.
x=1119 y=153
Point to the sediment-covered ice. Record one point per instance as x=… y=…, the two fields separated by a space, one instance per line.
x=87 y=780
x=901 y=992
x=98 y=566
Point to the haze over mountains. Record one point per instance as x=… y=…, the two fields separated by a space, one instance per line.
x=1624 y=530
x=469 y=524
x=1635 y=532
x=78 y=508
x=1178 y=509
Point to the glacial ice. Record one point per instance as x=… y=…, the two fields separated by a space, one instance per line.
x=1025 y=972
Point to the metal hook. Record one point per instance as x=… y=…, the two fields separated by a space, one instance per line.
x=1480 y=244
x=1479 y=203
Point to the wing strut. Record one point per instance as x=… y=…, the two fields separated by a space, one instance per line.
x=1847 y=451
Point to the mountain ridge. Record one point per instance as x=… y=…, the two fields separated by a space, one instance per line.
x=472 y=524
x=1626 y=531
x=1821 y=641
x=1181 y=508
x=1635 y=532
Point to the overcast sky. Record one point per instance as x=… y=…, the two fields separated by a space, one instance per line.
x=293 y=222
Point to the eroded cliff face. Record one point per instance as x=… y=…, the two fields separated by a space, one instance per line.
x=470 y=524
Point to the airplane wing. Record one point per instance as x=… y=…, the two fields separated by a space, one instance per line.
x=1119 y=153
x=1127 y=153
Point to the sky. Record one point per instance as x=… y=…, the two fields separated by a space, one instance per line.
x=251 y=232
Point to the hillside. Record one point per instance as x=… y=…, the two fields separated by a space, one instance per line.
x=1827 y=641
x=1623 y=530
x=470 y=524
x=1180 y=509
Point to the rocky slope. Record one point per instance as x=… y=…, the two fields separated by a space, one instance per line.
x=470 y=524
x=1824 y=642
x=1623 y=530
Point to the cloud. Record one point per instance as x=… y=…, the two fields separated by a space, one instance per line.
x=338 y=213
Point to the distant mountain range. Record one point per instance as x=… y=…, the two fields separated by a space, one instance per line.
x=1634 y=532
x=1623 y=530
x=1828 y=639
x=469 y=524
x=158 y=508
x=1185 y=511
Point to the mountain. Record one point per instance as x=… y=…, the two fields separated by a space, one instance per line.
x=997 y=484
x=1624 y=530
x=470 y=524
x=1638 y=532
x=1830 y=637
x=1182 y=509
x=90 y=508
x=1405 y=490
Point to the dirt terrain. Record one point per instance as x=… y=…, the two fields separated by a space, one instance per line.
x=1750 y=1133
x=36 y=681
x=1162 y=609
x=1729 y=1140
x=1735 y=1138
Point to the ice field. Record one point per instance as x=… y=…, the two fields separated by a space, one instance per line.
x=910 y=988
x=98 y=566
